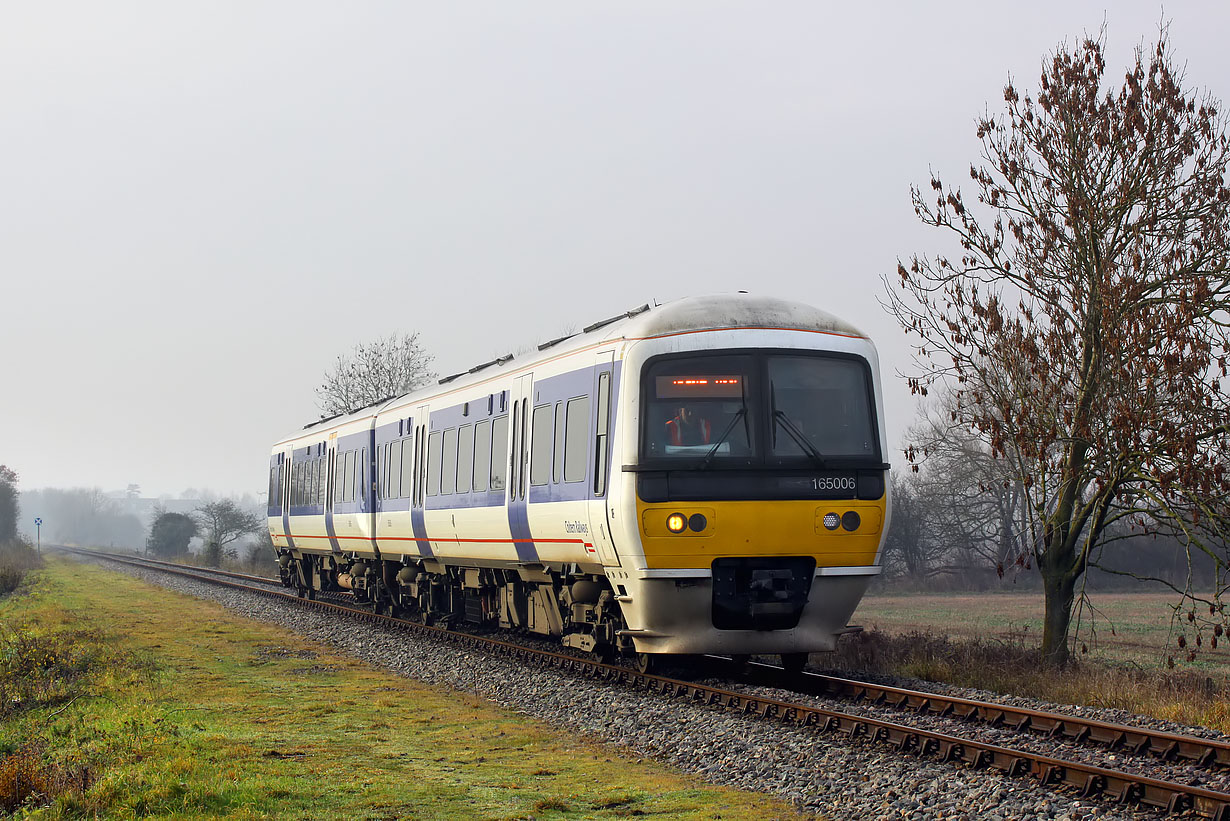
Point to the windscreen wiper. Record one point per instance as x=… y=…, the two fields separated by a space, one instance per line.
x=740 y=414
x=800 y=438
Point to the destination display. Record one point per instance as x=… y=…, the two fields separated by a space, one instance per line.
x=728 y=386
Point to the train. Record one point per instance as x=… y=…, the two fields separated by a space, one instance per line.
x=704 y=476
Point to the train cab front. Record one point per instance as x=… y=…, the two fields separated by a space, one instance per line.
x=761 y=500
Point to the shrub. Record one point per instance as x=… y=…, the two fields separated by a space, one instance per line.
x=15 y=559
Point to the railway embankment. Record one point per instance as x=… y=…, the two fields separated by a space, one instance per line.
x=125 y=699
x=818 y=773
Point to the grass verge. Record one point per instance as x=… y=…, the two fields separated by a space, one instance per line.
x=125 y=700
x=1014 y=667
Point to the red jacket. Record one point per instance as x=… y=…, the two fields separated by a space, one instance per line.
x=697 y=433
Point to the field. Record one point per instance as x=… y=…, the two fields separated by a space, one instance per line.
x=1122 y=659
x=118 y=699
x=1128 y=628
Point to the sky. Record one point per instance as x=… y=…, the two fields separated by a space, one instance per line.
x=203 y=204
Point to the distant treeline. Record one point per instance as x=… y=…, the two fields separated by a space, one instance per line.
x=954 y=528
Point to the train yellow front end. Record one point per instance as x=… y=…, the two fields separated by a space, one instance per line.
x=754 y=460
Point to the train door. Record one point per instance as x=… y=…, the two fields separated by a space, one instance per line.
x=518 y=464
x=418 y=490
x=330 y=485
x=287 y=484
x=600 y=442
x=367 y=522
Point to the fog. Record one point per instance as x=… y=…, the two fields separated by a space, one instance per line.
x=203 y=204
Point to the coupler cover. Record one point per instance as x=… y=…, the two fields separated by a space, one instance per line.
x=761 y=593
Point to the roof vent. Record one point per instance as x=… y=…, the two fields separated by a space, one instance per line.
x=497 y=361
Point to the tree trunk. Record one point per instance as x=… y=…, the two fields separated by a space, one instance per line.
x=1059 y=586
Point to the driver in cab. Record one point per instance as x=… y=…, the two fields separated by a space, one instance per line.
x=688 y=428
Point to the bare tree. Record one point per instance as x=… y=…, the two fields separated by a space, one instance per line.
x=974 y=503
x=376 y=370
x=221 y=523
x=1083 y=322
x=911 y=551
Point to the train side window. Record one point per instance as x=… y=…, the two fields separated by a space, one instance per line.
x=433 y=464
x=330 y=471
x=448 y=472
x=405 y=467
x=422 y=464
x=416 y=487
x=393 y=490
x=347 y=475
x=352 y=468
x=333 y=471
x=499 y=453
x=365 y=478
x=381 y=461
x=320 y=481
x=601 y=431
x=516 y=448
x=482 y=455
x=339 y=465
x=465 y=457
x=576 y=439
x=558 y=466
x=522 y=451
x=386 y=474
x=540 y=445
x=384 y=470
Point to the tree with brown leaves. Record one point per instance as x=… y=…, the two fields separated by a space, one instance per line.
x=1083 y=324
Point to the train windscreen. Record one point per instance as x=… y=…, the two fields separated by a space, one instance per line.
x=760 y=408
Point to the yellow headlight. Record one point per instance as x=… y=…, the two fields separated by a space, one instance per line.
x=676 y=523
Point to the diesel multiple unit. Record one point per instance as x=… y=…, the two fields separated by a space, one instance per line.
x=706 y=476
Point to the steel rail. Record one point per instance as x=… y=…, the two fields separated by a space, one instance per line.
x=1089 y=780
x=1166 y=746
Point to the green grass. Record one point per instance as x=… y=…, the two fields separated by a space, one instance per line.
x=139 y=702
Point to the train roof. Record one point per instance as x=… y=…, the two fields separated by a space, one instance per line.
x=686 y=315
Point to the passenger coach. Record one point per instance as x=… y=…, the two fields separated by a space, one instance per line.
x=705 y=476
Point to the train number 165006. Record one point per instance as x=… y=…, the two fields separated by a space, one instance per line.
x=839 y=483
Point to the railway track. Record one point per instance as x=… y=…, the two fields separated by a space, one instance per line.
x=1087 y=779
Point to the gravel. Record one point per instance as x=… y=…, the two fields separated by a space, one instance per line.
x=819 y=773
x=1182 y=772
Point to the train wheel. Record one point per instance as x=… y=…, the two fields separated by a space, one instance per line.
x=603 y=654
x=648 y=663
x=300 y=592
x=311 y=594
x=794 y=662
x=739 y=662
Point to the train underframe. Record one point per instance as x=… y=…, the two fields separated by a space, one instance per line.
x=577 y=608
